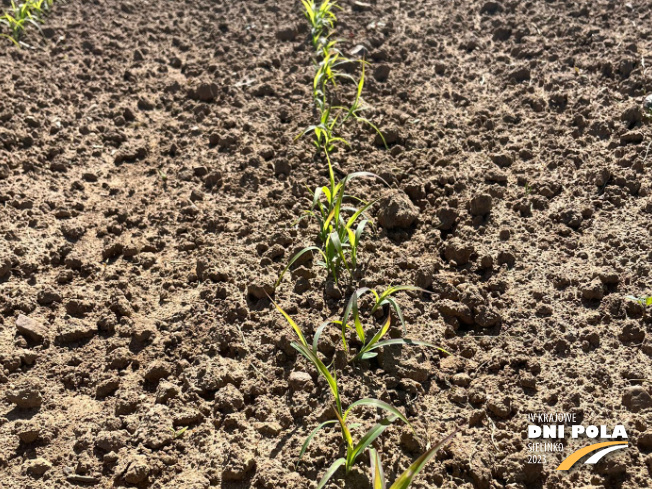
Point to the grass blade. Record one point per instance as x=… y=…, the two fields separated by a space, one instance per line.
x=399 y=313
x=323 y=371
x=368 y=439
x=330 y=472
x=294 y=325
x=295 y=258
x=406 y=477
x=312 y=435
x=377 y=474
x=378 y=404
x=405 y=341
x=373 y=342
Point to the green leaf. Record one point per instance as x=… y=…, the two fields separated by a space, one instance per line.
x=378 y=404
x=320 y=329
x=11 y=39
x=294 y=325
x=377 y=474
x=374 y=341
x=360 y=85
x=367 y=440
x=312 y=435
x=405 y=341
x=373 y=126
x=368 y=356
x=358 y=233
x=362 y=174
x=394 y=289
x=323 y=371
x=337 y=246
x=355 y=216
x=399 y=313
x=295 y=258
x=406 y=477
x=351 y=307
x=330 y=472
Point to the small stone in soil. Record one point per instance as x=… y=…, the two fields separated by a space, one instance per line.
x=397 y=212
x=229 y=399
x=157 y=370
x=447 y=218
x=286 y=33
x=593 y=291
x=636 y=399
x=500 y=407
x=28 y=432
x=31 y=328
x=73 y=331
x=458 y=251
x=166 y=391
x=300 y=381
x=260 y=289
x=137 y=470
x=381 y=73
x=26 y=394
x=5 y=265
x=106 y=387
x=37 y=467
x=48 y=296
x=481 y=205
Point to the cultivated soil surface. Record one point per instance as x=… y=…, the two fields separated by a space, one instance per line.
x=149 y=185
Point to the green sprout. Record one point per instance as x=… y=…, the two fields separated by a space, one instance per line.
x=376 y=341
x=341 y=225
x=645 y=301
x=328 y=60
x=20 y=15
x=405 y=479
x=353 y=449
x=179 y=433
x=322 y=19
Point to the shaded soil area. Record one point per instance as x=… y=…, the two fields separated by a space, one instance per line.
x=150 y=181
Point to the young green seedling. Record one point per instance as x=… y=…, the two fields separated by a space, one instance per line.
x=328 y=59
x=322 y=19
x=405 y=479
x=19 y=15
x=645 y=301
x=353 y=449
x=341 y=225
x=376 y=341
x=358 y=106
x=179 y=433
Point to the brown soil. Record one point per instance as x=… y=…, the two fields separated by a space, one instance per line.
x=149 y=180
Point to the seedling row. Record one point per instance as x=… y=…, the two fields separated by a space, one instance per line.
x=343 y=219
x=21 y=15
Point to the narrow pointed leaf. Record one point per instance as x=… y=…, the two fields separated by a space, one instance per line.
x=312 y=435
x=368 y=439
x=376 y=338
x=323 y=371
x=330 y=472
x=378 y=404
x=406 y=477
x=294 y=325
x=377 y=474
x=295 y=258
x=405 y=341
x=399 y=313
